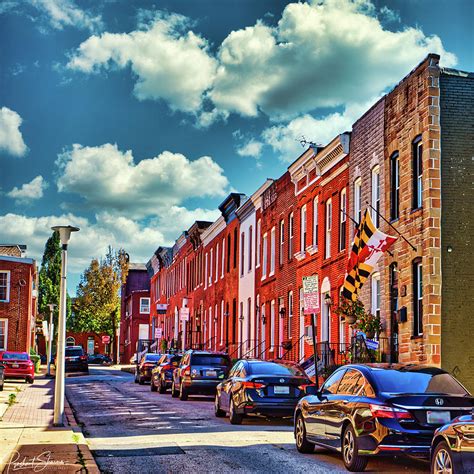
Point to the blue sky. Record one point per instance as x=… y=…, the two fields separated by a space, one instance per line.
x=131 y=119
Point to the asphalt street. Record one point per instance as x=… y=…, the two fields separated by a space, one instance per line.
x=131 y=429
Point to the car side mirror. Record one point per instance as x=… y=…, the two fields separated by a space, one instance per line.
x=311 y=390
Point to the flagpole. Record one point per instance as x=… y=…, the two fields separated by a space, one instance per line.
x=394 y=228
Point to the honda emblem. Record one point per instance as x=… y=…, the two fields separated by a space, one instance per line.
x=439 y=401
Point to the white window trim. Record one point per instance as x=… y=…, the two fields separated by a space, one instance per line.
x=5 y=334
x=250 y=249
x=303 y=229
x=357 y=200
x=328 y=230
x=257 y=246
x=342 y=218
x=272 y=325
x=7 y=300
x=222 y=322
x=272 y=251
x=315 y=223
x=141 y=305
x=216 y=276
x=375 y=293
x=205 y=272
x=211 y=267
x=375 y=192
x=223 y=258
x=242 y=254
x=290 y=313
x=264 y=256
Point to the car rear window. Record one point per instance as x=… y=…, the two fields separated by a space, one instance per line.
x=175 y=358
x=74 y=352
x=209 y=359
x=152 y=357
x=395 y=381
x=15 y=356
x=271 y=368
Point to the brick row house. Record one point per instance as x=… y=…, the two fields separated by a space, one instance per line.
x=18 y=299
x=408 y=160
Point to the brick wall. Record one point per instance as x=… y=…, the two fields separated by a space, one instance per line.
x=457 y=225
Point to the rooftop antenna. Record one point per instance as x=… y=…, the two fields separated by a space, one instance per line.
x=305 y=143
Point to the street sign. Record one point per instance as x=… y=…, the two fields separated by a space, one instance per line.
x=161 y=308
x=105 y=339
x=311 y=294
x=184 y=314
x=45 y=330
x=374 y=345
x=158 y=333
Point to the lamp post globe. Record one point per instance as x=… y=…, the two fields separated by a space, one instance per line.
x=64 y=236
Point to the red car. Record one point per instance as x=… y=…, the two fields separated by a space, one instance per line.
x=18 y=365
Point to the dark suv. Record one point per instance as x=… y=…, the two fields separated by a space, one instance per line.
x=199 y=372
x=76 y=359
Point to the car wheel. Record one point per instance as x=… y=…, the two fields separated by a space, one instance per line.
x=29 y=380
x=442 y=460
x=136 y=378
x=174 y=392
x=140 y=380
x=183 y=393
x=217 y=409
x=234 y=418
x=1 y=388
x=162 y=387
x=302 y=443
x=350 y=451
x=152 y=385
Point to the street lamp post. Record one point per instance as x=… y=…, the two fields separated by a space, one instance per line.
x=64 y=235
x=51 y=307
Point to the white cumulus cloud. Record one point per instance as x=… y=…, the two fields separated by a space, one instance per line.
x=109 y=179
x=28 y=192
x=169 y=63
x=11 y=139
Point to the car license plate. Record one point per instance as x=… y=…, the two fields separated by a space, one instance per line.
x=211 y=373
x=280 y=390
x=438 y=417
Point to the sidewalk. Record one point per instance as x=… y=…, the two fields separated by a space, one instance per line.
x=29 y=442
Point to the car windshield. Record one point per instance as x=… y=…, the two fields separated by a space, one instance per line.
x=152 y=357
x=209 y=359
x=395 y=381
x=271 y=368
x=74 y=352
x=15 y=356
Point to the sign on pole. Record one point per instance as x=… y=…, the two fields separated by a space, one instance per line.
x=311 y=294
x=45 y=330
x=158 y=333
x=161 y=308
x=184 y=314
x=105 y=339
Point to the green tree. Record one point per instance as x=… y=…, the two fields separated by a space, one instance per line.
x=96 y=307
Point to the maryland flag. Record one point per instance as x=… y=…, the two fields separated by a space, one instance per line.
x=368 y=246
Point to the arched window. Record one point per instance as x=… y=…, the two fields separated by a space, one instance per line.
x=417 y=166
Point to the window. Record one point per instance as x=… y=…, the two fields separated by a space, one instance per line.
x=315 y=222
x=375 y=292
x=144 y=305
x=417 y=297
x=328 y=228
x=209 y=325
x=417 y=173
x=242 y=253
x=235 y=247
x=223 y=258
x=332 y=382
x=249 y=319
x=222 y=321
x=375 y=195
x=358 y=200
x=303 y=229
x=291 y=230
x=228 y=252
x=3 y=334
x=394 y=186
x=211 y=266
x=272 y=323
x=257 y=246
x=216 y=276
x=272 y=251
x=342 y=325
x=348 y=382
x=342 y=220
x=205 y=272
x=5 y=286
x=290 y=313
x=282 y=242
x=250 y=247
x=264 y=257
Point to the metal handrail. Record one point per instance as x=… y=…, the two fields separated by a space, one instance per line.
x=239 y=346
x=253 y=349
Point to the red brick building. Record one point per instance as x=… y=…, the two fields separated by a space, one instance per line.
x=90 y=342
x=18 y=294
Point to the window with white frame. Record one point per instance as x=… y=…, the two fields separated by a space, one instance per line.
x=211 y=267
x=242 y=253
x=5 y=286
x=264 y=256
x=272 y=323
x=375 y=294
x=216 y=276
x=281 y=254
x=417 y=173
x=342 y=220
x=342 y=325
x=249 y=319
x=250 y=248
x=223 y=258
x=144 y=305
x=257 y=246
x=358 y=200
x=205 y=271
x=394 y=186
x=290 y=314
x=315 y=222
x=375 y=195
x=214 y=324
x=417 y=297
x=222 y=321
x=3 y=334
x=272 y=251
x=291 y=231
x=303 y=229
x=327 y=252
x=209 y=325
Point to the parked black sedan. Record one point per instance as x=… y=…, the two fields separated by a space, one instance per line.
x=452 y=449
x=162 y=373
x=257 y=387
x=364 y=410
x=143 y=369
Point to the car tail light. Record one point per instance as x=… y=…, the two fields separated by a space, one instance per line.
x=385 y=411
x=186 y=370
x=147 y=365
x=167 y=367
x=254 y=385
x=303 y=387
x=83 y=357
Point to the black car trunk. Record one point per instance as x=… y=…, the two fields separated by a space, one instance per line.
x=283 y=386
